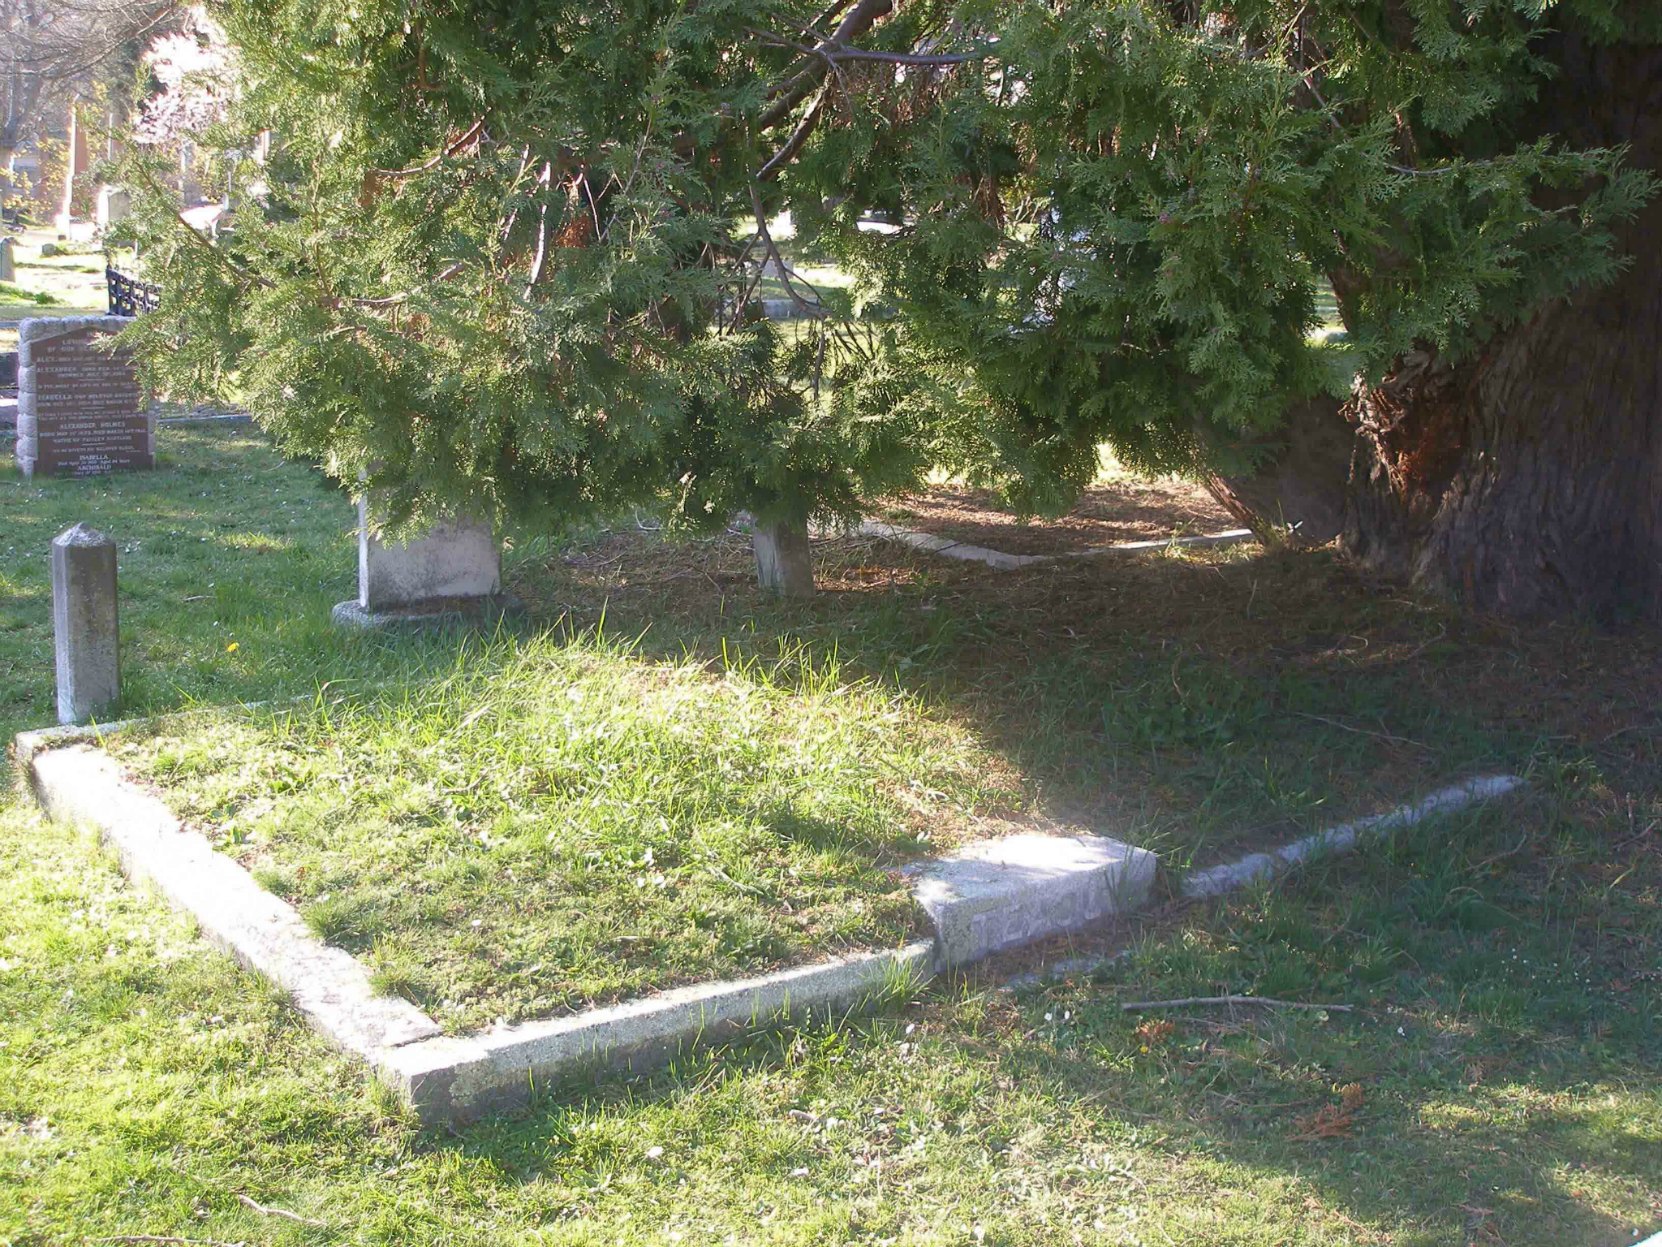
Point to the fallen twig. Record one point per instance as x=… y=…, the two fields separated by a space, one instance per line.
x=265 y=1210
x=1138 y=1006
x=1362 y=731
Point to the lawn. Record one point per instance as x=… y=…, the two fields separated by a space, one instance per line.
x=677 y=779
x=553 y=822
x=68 y=284
x=1496 y=1083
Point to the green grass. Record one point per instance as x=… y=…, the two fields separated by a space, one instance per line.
x=1498 y=1083
x=553 y=822
x=71 y=282
x=10 y=293
x=656 y=820
x=674 y=777
x=222 y=541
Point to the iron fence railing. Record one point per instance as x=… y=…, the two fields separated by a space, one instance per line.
x=128 y=295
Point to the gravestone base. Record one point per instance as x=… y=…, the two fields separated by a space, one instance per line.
x=451 y=576
x=436 y=614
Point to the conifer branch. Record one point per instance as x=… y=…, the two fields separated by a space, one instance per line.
x=444 y=153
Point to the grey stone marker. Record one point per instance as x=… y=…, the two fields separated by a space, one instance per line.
x=84 y=624
x=8 y=262
x=454 y=570
x=114 y=205
x=784 y=563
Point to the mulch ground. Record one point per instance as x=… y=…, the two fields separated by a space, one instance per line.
x=1108 y=513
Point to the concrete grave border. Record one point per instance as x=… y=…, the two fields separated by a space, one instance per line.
x=992 y=896
x=999 y=560
x=989 y=897
x=1216 y=880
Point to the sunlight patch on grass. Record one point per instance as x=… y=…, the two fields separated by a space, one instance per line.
x=558 y=822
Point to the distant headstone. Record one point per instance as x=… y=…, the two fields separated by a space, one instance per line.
x=8 y=261
x=452 y=571
x=80 y=411
x=49 y=249
x=85 y=628
x=113 y=205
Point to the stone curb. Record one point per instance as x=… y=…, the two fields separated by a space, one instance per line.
x=81 y=785
x=1004 y=562
x=992 y=896
x=459 y=1079
x=989 y=897
x=1228 y=877
x=949 y=549
x=1214 y=881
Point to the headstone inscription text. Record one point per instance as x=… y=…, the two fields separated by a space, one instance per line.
x=80 y=409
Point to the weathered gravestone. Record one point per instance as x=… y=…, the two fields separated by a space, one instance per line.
x=8 y=260
x=452 y=573
x=85 y=625
x=113 y=206
x=80 y=411
x=784 y=560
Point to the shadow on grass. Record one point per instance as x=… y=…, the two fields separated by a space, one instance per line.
x=1455 y=1106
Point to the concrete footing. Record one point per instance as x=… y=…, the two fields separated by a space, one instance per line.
x=999 y=894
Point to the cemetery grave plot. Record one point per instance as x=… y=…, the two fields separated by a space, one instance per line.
x=556 y=823
x=1118 y=508
x=72 y=280
x=733 y=781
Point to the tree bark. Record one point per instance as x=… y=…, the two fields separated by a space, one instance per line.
x=1295 y=494
x=1528 y=481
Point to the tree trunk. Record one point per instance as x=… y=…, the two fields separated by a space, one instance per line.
x=1528 y=481
x=1296 y=493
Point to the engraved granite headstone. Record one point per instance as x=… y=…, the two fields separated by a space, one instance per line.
x=80 y=411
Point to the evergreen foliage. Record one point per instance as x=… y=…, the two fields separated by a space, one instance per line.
x=505 y=250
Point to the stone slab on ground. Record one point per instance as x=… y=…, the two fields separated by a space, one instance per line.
x=1000 y=894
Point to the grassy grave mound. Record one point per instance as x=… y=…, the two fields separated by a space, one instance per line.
x=553 y=823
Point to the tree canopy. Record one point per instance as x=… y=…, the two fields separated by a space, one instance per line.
x=504 y=251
